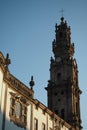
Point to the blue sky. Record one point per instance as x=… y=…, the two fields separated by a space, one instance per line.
x=27 y=29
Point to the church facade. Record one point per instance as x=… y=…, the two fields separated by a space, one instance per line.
x=18 y=108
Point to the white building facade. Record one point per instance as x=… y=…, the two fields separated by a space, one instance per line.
x=18 y=108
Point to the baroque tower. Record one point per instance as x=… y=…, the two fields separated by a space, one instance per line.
x=63 y=88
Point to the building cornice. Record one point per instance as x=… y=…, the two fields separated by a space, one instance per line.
x=18 y=85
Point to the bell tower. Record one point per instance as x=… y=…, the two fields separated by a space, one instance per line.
x=63 y=88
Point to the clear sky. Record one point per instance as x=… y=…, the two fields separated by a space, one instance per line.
x=27 y=29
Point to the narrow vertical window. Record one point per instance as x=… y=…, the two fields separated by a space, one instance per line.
x=43 y=126
x=63 y=113
x=59 y=76
x=35 y=124
x=61 y=34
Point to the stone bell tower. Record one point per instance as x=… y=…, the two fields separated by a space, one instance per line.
x=63 y=88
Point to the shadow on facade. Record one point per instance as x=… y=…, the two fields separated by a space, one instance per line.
x=6 y=124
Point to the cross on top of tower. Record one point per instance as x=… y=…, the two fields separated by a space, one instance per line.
x=62 y=11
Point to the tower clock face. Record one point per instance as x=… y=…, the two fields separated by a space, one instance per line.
x=58 y=59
